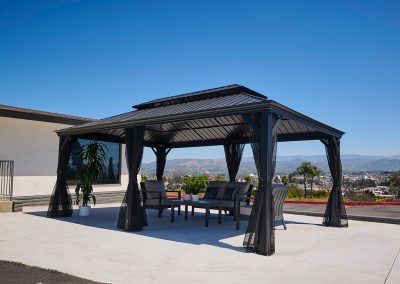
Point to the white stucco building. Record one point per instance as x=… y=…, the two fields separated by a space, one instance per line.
x=28 y=138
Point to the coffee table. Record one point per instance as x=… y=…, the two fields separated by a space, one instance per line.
x=206 y=204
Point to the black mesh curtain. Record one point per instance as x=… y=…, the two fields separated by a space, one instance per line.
x=335 y=212
x=60 y=202
x=132 y=215
x=233 y=156
x=161 y=155
x=260 y=236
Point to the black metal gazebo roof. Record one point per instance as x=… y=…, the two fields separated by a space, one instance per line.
x=209 y=117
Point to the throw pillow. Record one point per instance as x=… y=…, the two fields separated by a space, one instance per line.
x=211 y=193
x=230 y=193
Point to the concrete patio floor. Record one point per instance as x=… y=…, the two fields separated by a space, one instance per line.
x=188 y=252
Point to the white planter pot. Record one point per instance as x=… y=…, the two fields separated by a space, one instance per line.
x=187 y=197
x=84 y=211
x=195 y=197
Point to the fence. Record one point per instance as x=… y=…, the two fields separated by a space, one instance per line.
x=6 y=179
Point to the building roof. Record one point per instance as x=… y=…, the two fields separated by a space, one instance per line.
x=209 y=117
x=30 y=114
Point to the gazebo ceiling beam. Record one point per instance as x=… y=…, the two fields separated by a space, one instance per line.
x=101 y=137
x=243 y=140
x=181 y=117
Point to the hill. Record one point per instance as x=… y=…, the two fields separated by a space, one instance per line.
x=285 y=164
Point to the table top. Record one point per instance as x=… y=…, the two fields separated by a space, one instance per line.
x=201 y=202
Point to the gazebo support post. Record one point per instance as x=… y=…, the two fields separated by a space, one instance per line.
x=60 y=202
x=266 y=156
x=260 y=234
x=132 y=215
x=161 y=155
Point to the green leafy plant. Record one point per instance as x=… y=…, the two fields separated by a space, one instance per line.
x=195 y=184
x=247 y=179
x=93 y=156
x=219 y=178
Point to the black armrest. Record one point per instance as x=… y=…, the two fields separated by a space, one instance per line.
x=242 y=196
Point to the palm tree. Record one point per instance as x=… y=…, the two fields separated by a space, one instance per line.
x=304 y=170
x=313 y=173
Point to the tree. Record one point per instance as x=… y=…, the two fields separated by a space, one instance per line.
x=285 y=180
x=291 y=177
x=304 y=170
x=395 y=184
x=313 y=173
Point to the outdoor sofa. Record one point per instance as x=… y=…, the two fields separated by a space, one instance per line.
x=232 y=195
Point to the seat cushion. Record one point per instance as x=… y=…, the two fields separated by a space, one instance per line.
x=211 y=193
x=221 y=185
x=157 y=186
x=154 y=202
x=228 y=204
x=230 y=193
x=242 y=187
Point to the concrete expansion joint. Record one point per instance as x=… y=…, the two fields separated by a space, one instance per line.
x=391 y=267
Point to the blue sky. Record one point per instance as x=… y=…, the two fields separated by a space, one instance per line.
x=336 y=61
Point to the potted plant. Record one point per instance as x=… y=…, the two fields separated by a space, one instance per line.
x=194 y=185
x=94 y=157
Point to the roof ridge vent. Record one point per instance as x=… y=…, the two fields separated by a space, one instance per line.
x=200 y=95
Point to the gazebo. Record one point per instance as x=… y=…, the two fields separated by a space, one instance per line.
x=231 y=116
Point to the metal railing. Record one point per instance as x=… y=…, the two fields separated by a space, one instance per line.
x=6 y=179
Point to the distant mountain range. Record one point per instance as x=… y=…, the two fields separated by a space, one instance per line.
x=285 y=164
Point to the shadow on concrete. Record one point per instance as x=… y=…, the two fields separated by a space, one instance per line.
x=288 y=222
x=191 y=231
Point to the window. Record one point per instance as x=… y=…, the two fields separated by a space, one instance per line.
x=112 y=173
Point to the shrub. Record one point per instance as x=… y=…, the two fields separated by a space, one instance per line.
x=219 y=178
x=320 y=194
x=295 y=192
x=360 y=196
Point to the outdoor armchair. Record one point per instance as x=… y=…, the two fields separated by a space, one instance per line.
x=279 y=193
x=155 y=196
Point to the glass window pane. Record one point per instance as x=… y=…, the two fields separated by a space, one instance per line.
x=112 y=173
